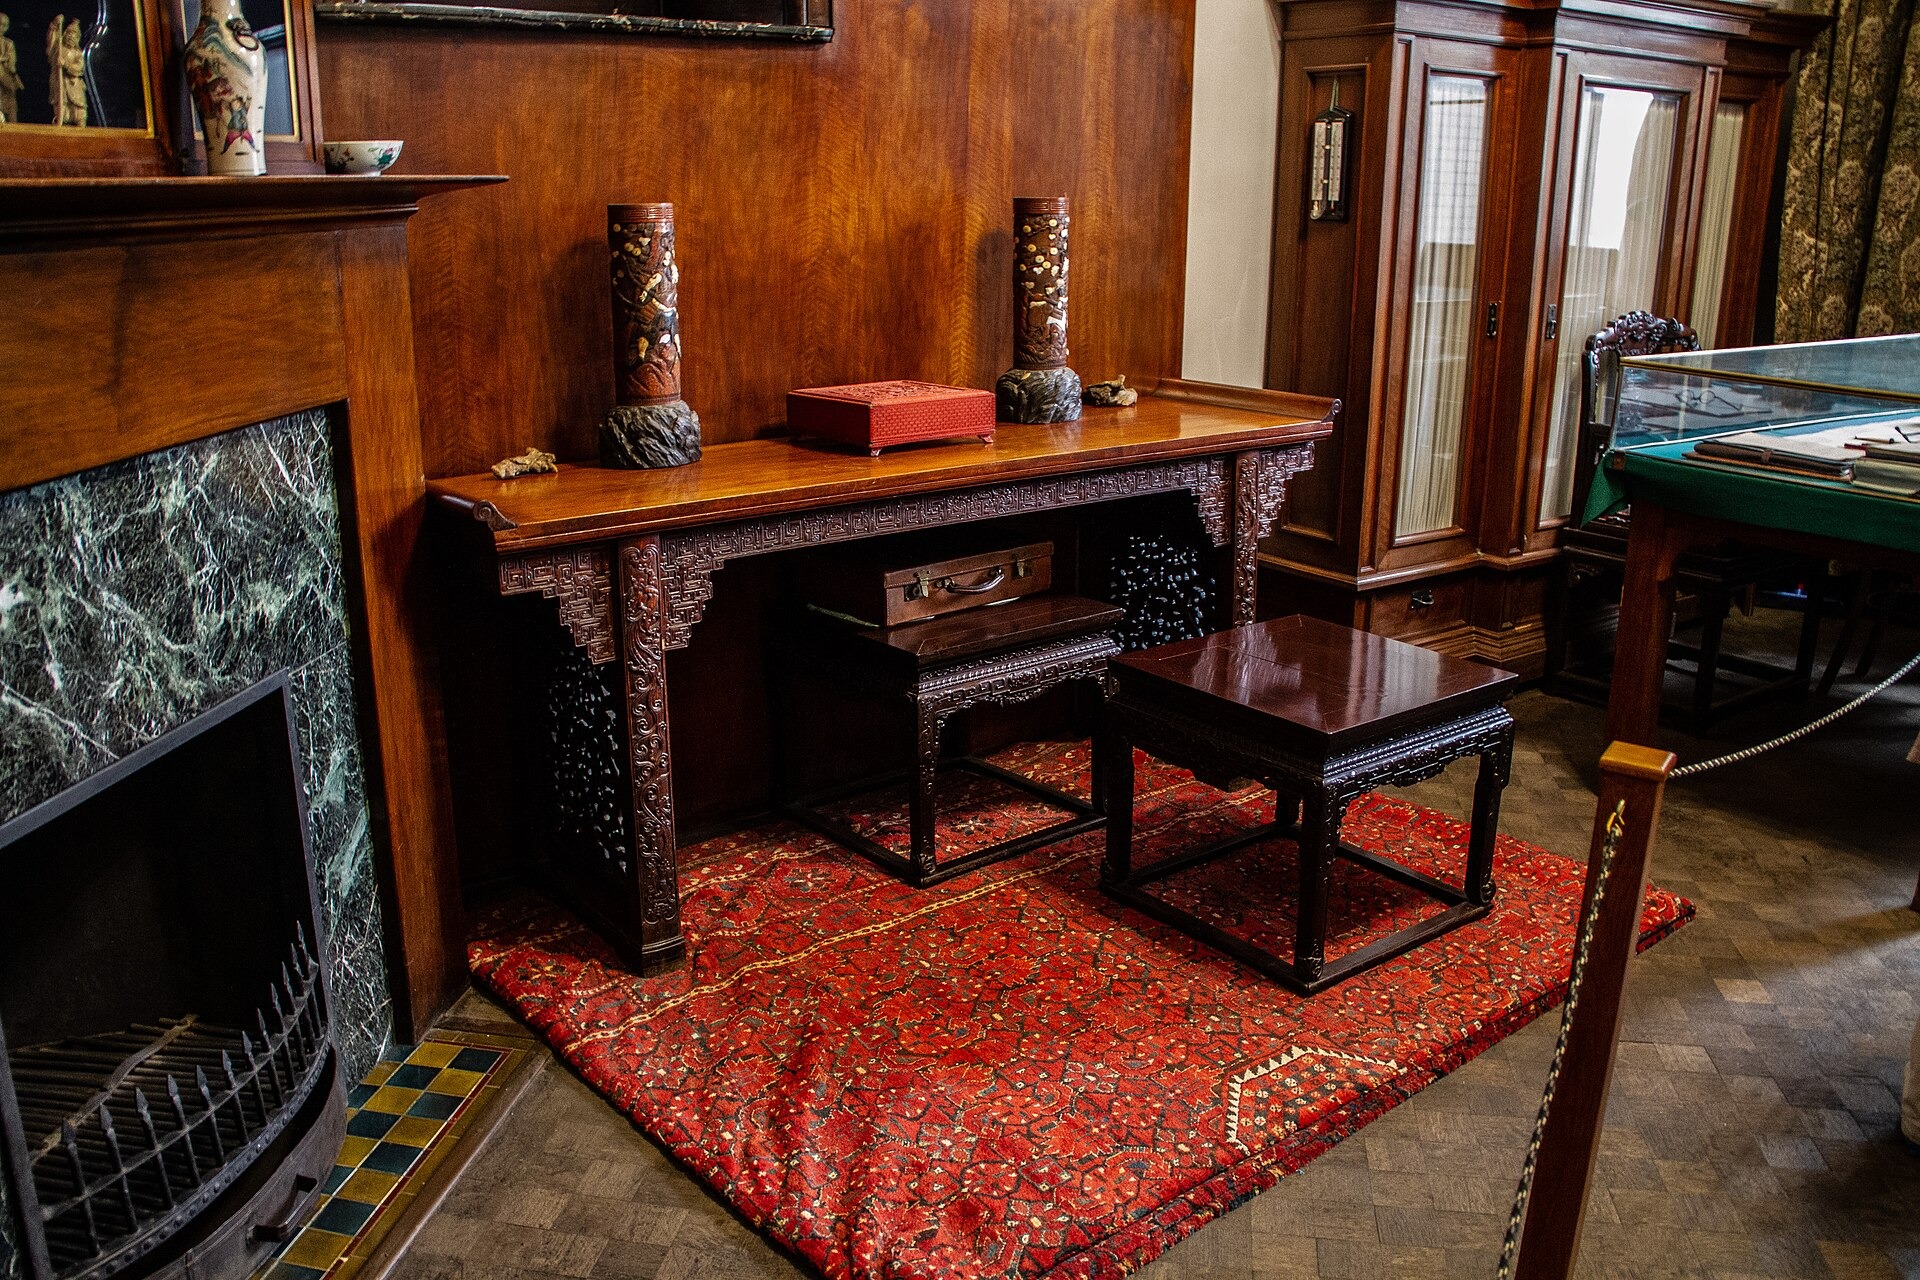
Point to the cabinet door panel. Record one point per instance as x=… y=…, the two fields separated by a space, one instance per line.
x=1444 y=320
x=1616 y=246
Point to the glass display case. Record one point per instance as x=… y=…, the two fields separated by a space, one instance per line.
x=1839 y=394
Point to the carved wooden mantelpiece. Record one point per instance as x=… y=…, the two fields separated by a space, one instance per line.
x=629 y=557
x=112 y=287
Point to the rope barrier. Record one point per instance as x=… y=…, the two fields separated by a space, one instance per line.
x=1589 y=920
x=1747 y=753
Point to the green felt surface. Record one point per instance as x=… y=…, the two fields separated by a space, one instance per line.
x=1766 y=500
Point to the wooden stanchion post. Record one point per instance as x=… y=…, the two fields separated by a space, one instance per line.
x=1571 y=1139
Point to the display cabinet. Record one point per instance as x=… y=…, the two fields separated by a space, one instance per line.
x=1517 y=177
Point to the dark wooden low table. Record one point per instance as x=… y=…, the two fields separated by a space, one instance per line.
x=1322 y=714
x=997 y=655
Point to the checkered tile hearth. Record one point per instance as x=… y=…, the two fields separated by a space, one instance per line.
x=403 y=1121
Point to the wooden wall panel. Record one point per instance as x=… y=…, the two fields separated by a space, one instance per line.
x=842 y=210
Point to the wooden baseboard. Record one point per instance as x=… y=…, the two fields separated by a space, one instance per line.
x=1521 y=649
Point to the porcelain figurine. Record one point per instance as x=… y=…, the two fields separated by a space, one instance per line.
x=1040 y=387
x=227 y=71
x=66 y=72
x=10 y=82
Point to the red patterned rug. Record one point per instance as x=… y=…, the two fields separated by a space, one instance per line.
x=1008 y=1074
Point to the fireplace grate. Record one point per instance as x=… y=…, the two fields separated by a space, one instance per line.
x=131 y=1133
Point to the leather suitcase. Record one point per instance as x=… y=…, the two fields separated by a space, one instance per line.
x=887 y=589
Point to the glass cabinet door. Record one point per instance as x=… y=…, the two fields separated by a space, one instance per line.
x=1724 y=146
x=1616 y=234
x=1442 y=322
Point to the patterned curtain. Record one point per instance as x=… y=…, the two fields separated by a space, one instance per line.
x=1850 y=227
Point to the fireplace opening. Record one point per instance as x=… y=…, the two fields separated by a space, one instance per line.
x=163 y=1012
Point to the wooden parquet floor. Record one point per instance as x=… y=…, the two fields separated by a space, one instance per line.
x=1751 y=1132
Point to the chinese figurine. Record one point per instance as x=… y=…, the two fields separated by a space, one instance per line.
x=66 y=72
x=10 y=82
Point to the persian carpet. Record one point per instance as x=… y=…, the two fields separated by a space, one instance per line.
x=1007 y=1074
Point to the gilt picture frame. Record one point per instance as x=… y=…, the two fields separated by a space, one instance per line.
x=127 y=110
x=94 y=100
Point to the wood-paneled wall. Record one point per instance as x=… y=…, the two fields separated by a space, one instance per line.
x=842 y=210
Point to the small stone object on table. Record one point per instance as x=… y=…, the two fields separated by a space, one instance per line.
x=1040 y=387
x=531 y=463
x=1114 y=393
x=1322 y=714
x=996 y=656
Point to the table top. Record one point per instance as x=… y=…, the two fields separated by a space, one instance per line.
x=1762 y=499
x=766 y=477
x=1315 y=683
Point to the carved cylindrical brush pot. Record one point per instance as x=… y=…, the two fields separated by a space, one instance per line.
x=227 y=71
x=1040 y=387
x=650 y=426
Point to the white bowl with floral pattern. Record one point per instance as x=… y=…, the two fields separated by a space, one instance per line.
x=369 y=158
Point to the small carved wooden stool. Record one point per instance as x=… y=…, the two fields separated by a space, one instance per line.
x=1322 y=714
x=999 y=655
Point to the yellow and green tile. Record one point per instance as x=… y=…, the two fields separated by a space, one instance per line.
x=402 y=1119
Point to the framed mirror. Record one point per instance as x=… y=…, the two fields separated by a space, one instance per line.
x=77 y=87
x=102 y=96
x=807 y=21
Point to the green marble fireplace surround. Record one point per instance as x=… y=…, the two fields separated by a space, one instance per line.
x=138 y=595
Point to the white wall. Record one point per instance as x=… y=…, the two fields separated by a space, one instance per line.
x=1236 y=89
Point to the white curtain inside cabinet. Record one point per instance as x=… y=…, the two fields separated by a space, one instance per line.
x=1716 y=218
x=1616 y=225
x=1453 y=150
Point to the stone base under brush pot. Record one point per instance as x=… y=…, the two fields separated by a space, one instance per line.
x=1038 y=395
x=650 y=435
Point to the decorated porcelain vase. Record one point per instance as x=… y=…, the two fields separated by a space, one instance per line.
x=227 y=72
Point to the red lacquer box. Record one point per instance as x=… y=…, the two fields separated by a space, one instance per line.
x=878 y=415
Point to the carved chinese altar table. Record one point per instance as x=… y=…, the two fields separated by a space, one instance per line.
x=629 y=558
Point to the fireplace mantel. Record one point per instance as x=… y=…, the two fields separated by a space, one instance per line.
x=146 y=313
x=59 y=210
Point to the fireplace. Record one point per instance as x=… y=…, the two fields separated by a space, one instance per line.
x=170 y=1096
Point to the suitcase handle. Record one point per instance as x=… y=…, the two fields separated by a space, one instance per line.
x=994 y=579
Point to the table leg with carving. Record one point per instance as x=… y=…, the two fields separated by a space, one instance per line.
x=1113 y=760
x=1259 y=491
x=1496 y=763
x=653 y=929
